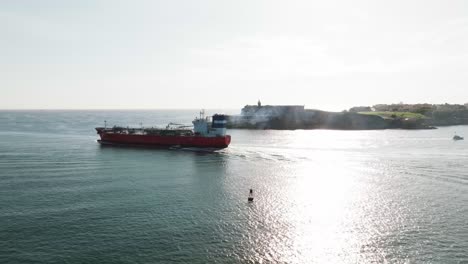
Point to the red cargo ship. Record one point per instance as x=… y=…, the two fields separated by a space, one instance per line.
x=206 y=133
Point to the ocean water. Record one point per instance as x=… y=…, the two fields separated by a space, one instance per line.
x=321 y=196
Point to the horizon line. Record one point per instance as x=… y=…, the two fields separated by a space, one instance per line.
x=107 y=109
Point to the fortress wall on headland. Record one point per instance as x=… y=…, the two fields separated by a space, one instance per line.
x=271 y=110
x=290 y=117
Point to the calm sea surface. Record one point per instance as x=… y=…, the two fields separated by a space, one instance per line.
x=321 y=196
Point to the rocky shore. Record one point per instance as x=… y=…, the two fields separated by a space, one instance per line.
x=290 y=117
x=316 y=119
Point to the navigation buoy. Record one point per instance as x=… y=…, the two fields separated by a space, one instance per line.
x=250 y=199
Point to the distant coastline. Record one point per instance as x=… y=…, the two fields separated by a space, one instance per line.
x=381 y=116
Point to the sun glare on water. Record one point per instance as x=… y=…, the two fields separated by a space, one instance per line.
x=319 y=211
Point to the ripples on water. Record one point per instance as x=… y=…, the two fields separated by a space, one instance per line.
x=320 y=196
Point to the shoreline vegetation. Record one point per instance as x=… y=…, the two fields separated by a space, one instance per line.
x=381 y=116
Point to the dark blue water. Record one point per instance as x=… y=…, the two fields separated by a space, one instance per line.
x=321 y=196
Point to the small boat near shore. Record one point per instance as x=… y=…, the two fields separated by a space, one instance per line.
x=457 y=137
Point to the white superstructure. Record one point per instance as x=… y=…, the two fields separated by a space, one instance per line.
x=210 y=128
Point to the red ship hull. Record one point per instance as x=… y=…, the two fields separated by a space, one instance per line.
x=166 y=141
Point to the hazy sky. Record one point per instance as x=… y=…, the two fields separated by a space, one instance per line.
x=224 y=54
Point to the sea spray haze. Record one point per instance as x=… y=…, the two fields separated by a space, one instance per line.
x=321 y=196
